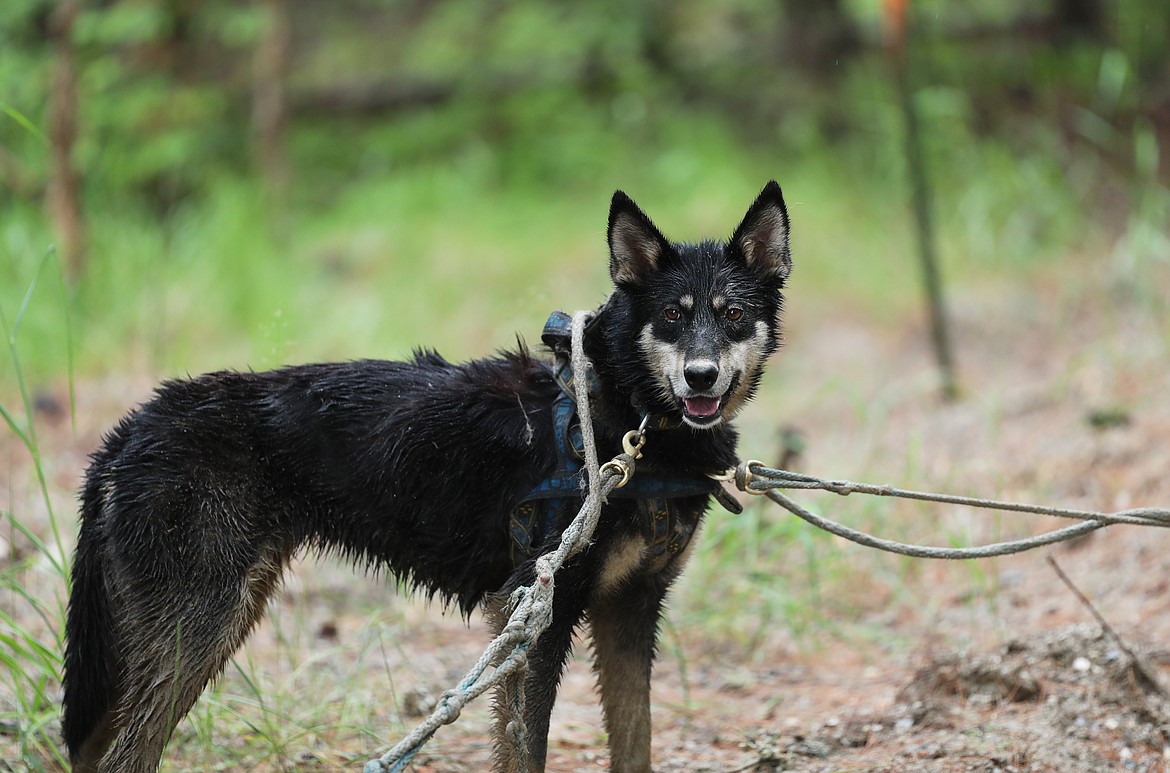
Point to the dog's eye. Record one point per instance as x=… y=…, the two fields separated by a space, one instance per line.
x=672 y=314
x=734 y=314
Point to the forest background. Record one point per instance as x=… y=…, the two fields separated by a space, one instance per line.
x=191 y=185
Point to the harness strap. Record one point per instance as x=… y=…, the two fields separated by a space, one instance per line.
x=545 y=505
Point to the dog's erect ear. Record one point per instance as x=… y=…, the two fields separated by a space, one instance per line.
x=762 y=237
x=636 y=246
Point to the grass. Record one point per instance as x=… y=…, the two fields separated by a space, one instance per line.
x=34 y=585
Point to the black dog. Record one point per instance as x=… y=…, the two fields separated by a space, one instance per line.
x=196 y=501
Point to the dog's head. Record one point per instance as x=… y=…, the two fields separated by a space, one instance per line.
x=704 y=317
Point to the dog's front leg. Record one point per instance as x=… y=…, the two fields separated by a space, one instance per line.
x=625 y=627
x=546 y=662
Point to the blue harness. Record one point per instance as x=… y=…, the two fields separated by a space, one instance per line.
x=549 y=502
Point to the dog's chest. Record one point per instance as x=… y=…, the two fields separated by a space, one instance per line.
x=659 y=544
x=648 y=534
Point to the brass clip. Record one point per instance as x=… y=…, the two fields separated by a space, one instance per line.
x=620 y=466
x=744 y=476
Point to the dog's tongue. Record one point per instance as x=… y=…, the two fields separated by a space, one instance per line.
x=702 y=406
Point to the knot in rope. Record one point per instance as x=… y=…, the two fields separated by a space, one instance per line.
x=451 y=706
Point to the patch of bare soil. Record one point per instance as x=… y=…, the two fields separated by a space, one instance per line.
x=990 y=666
x=1062 y=700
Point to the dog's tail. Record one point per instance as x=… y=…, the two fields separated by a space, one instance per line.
x=90 y=678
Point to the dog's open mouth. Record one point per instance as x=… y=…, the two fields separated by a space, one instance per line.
x=701 y=409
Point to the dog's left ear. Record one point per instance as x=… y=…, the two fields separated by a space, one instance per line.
x=762 y=237
x=636 y=246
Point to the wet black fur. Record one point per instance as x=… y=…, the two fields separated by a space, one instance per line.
x=411 y=467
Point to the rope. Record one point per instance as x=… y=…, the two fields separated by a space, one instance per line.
x=755 y=478
x=531 y=605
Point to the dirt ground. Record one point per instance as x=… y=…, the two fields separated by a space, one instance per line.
x=992 y=666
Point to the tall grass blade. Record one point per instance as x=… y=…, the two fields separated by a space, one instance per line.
x=26 y=124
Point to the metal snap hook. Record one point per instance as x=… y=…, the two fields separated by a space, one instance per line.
x=633 y=441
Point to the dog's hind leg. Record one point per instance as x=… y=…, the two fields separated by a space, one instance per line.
x=174 y=642
x=91 y=750
x=624 y=627
x=90 y=664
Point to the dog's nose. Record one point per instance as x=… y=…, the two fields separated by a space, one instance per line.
x=701 y=375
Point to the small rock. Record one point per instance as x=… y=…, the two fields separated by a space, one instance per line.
x=1108 y=417
x=48 y=404
x=812 y=748
x=418 y=702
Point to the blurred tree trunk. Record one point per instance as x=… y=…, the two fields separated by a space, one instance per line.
x=1080 y=18
x=269 y=100
x=821 y=35
x=63 y=195
x=896 y=32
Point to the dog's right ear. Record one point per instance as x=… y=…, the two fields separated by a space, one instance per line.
x=636 y=246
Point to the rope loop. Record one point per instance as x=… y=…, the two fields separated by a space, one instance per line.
x=743 y=477
x=530 y=607
x=755 y=477
x=621 y=466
